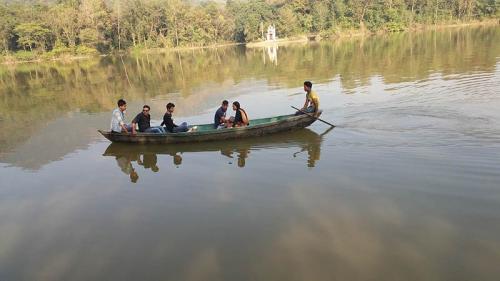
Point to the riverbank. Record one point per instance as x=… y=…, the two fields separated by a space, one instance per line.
x=57 y=54
x=72 y=55
x=413 y=28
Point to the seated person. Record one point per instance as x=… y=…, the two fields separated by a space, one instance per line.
x=240 y=118
x=170 y=126
x=118 y=118
x=311 y=104
x=220 y=116
x=143 y=119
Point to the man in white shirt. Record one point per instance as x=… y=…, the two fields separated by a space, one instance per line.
x=117 y=119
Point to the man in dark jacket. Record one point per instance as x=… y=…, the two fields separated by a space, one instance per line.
x=170 y=126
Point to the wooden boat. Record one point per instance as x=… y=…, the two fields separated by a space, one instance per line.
x=295 y=138
x=296 y=141
x=206 y=132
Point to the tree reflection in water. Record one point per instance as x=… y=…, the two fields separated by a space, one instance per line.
x=147 y=155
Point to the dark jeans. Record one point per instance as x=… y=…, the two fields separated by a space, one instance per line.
x=181 y=128
x=156 y=130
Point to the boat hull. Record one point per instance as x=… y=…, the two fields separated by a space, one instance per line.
x=290 y=122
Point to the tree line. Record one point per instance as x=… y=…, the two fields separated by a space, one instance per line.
x=102 y=26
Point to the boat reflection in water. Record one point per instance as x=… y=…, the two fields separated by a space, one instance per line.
x=147 y=155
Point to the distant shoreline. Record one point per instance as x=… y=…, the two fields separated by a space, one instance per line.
x=9 y=59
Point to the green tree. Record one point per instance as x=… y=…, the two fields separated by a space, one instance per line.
x=248 y=17
x=287 y=23
x=179 y=22
x=65 y=23
x=7 y=23
x=32 y=35
x=322 y=16
x=89 y=37
x=303 y=10
x=359 y=9
x=96 y=15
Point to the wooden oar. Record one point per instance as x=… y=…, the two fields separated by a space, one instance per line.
x=313 y=116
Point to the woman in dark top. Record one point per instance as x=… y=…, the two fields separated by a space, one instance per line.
x=240 y=118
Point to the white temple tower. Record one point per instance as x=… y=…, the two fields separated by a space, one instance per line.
x=271 y=33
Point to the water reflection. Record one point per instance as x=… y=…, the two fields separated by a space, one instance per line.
x=146 y=160
x=313 y=150
x=272 y=54
x=129 y=157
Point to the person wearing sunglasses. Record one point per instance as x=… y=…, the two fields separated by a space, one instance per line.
x=143 y=121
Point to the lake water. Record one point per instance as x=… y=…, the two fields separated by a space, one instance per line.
x=406 y=187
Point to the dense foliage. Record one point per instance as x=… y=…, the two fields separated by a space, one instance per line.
x=87 y=26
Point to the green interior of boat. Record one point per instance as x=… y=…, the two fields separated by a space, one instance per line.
x=253 y=122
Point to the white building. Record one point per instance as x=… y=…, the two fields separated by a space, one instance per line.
x=271 y=33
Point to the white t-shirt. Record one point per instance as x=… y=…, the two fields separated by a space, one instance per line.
x=117 y=120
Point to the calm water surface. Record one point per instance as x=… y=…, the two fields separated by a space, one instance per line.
x=407 y=187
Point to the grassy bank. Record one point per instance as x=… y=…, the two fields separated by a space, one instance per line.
x=58 y=53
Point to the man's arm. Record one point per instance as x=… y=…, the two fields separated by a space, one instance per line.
x=164 y=122
x=305 y=104
x=124 y=128
x=134 y=122
x=315 y=102
x=170 y=121
x=315 y=106
x=118 y=116
x=222 y=119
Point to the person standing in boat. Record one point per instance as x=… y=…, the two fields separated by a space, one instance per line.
x=170 y=126
x=118 y=118
x=143 y=119
x=240 y=118
x=311 y=104
x=220 y=116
